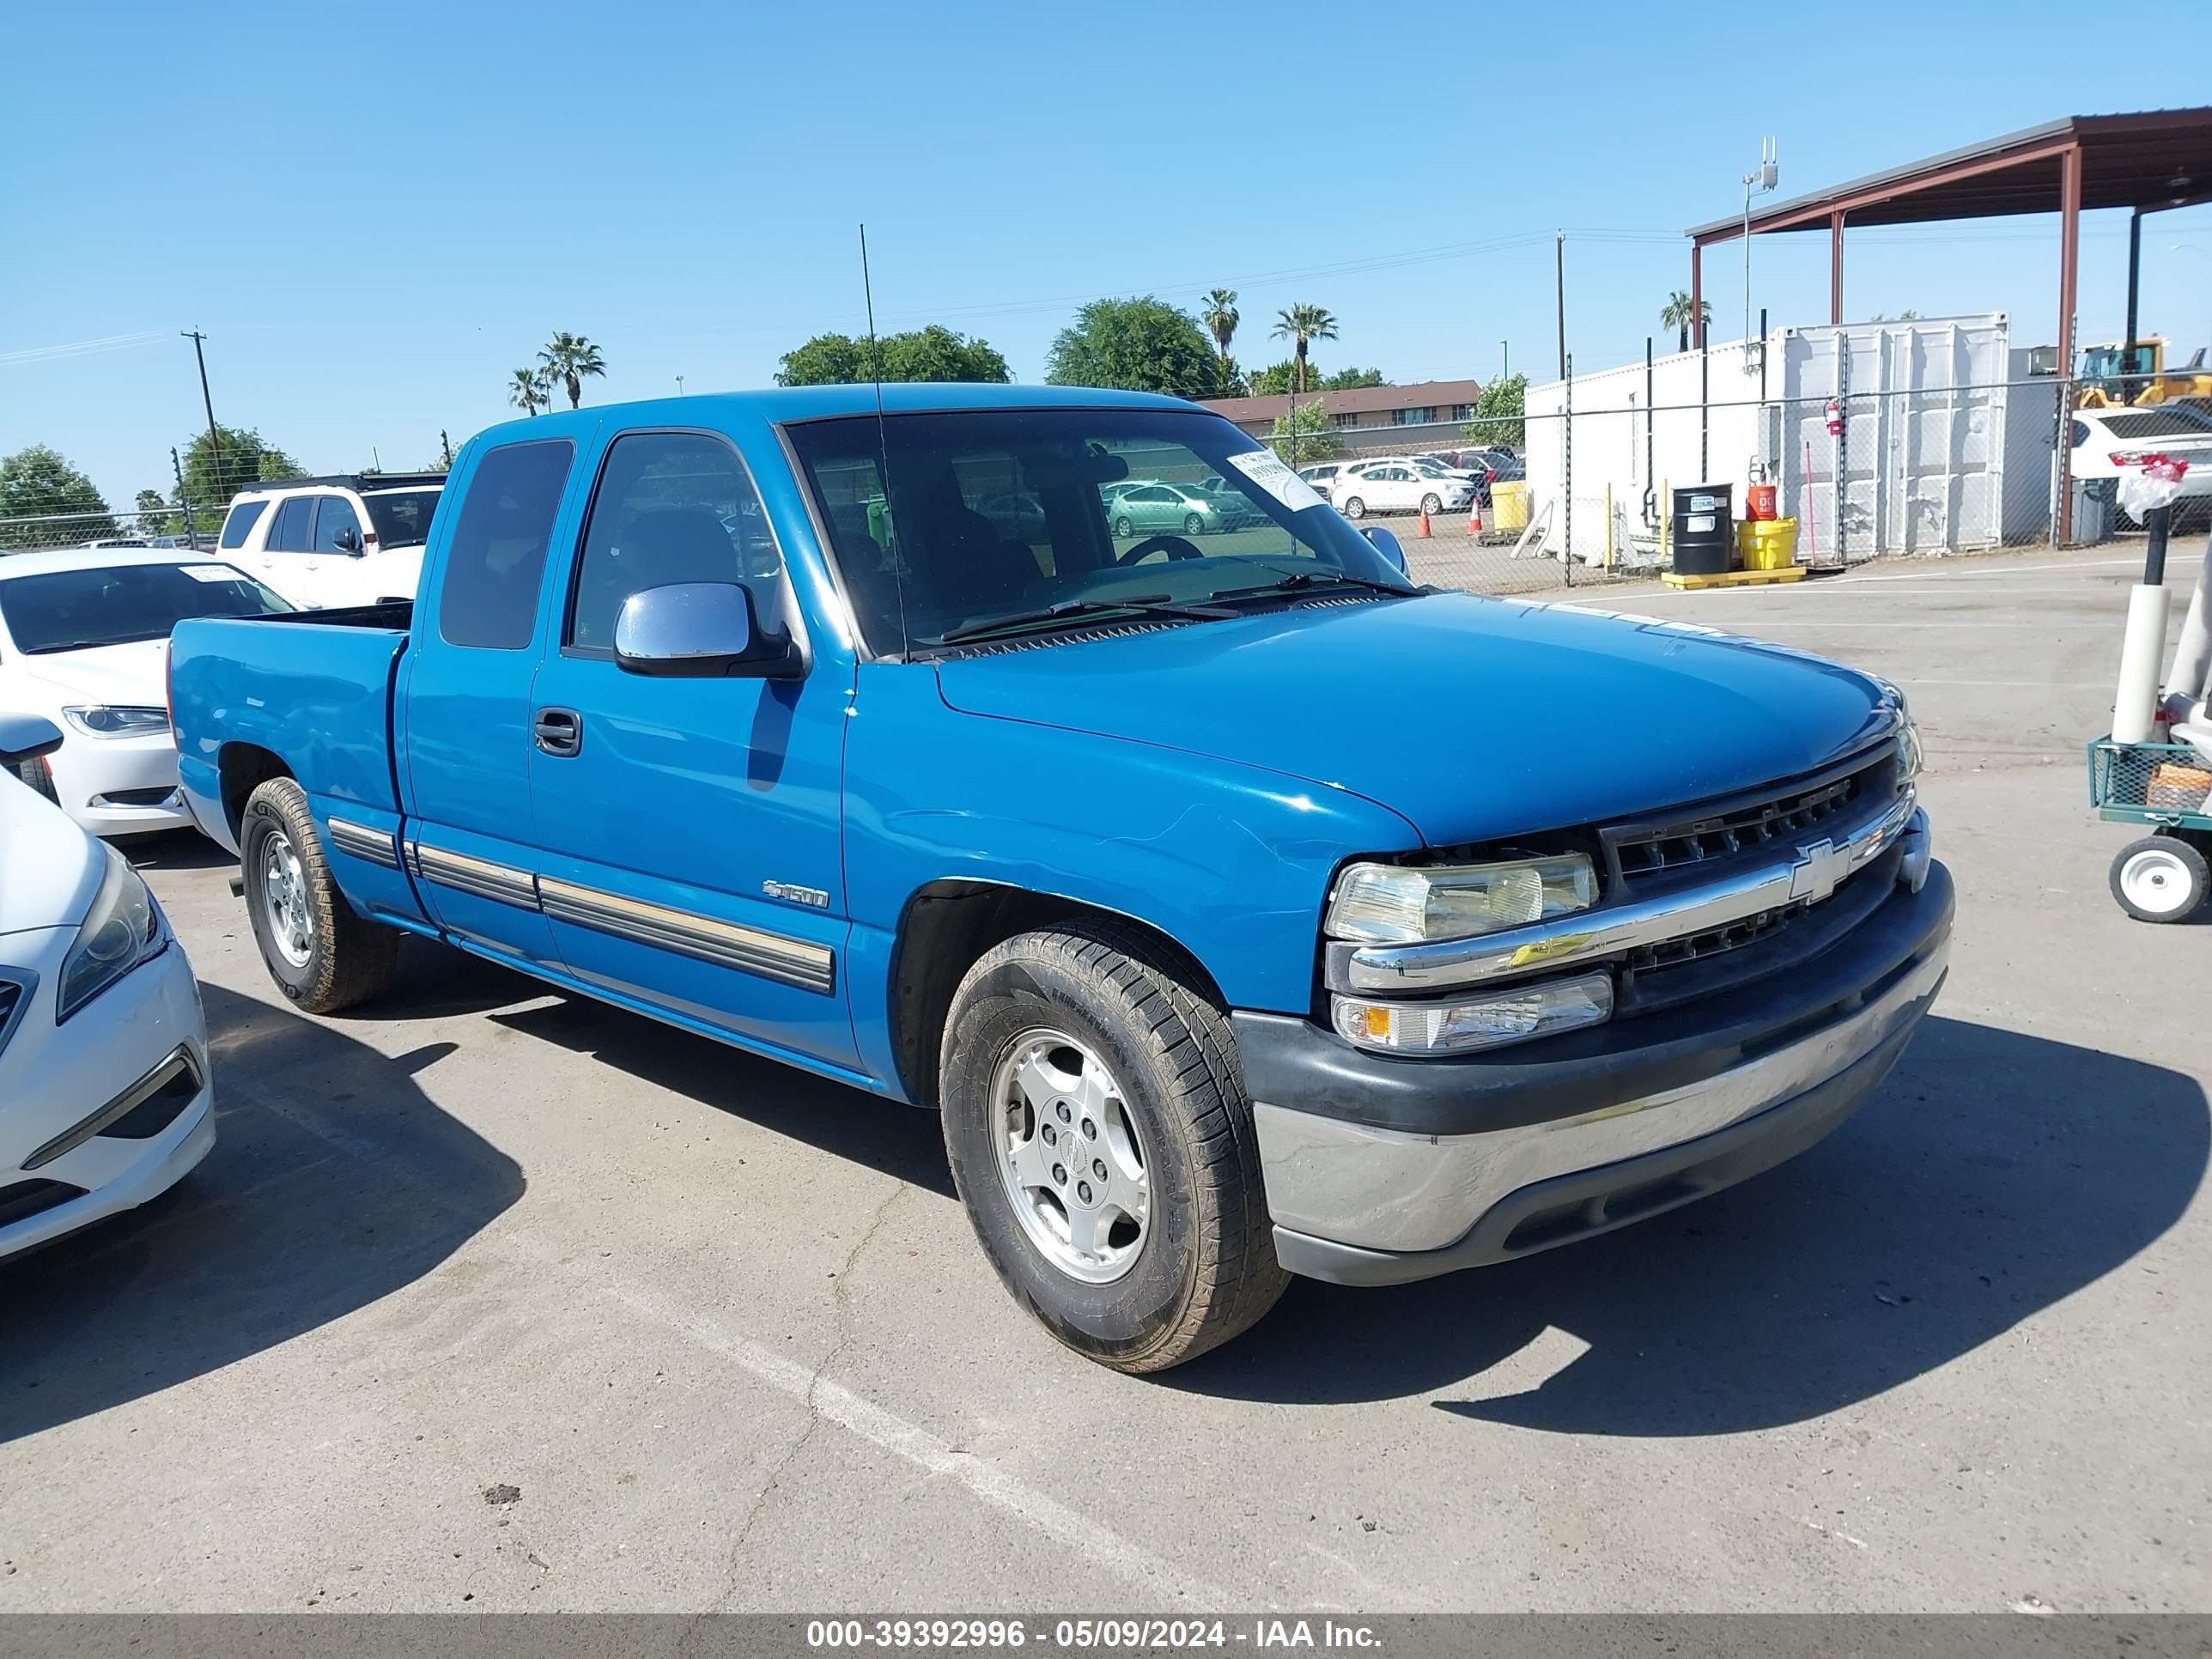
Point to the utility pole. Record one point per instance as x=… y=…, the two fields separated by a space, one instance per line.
x=215 y=444
x=184 y=498
x=446 y=444
x=1505 y=359
x=1559 y=291
x=1762 y=178
x=679 y=385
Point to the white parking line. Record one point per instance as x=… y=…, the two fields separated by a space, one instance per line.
x=833 y=1400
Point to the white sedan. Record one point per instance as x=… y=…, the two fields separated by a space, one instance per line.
x=84 y=641
x=1399 y=485
x=105 y=1100
x=2112 y=442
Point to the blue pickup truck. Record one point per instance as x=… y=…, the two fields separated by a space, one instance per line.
x=1244 y=909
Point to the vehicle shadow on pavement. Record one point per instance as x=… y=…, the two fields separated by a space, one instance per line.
x=173 y=849
x=298 y=1216
x=847 y=1122
x=1994 y=1174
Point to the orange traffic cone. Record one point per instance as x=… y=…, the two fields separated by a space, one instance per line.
x=1424 y=524
x=1474 y=518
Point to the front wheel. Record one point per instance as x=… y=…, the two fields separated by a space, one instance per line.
x=1432 y=505
x=1100 y=1137
x=1354 y=508
x=2160 y=878
x=322 y=954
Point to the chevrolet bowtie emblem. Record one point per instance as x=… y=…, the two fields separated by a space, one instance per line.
x=1818 y=869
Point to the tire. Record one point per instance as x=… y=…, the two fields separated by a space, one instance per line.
x=1124 y=529
x=2160 y=878
x=1200 y=1267
x=1354 y=508
x=1192 y=525
x=40 y=777
x=325 y=956
x=1432 y=504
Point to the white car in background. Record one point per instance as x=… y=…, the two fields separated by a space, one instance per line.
x=84 y=642
x=105 y=1099
x=2114 y=440
x=355 y=538
x=1398 y=483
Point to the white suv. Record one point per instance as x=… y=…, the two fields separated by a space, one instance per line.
x=352 y=539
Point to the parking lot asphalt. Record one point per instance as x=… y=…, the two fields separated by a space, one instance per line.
x=723 y=1332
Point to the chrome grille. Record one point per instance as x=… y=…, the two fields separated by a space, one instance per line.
x=1791 y=815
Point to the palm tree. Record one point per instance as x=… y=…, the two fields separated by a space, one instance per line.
x=1677 y=314
x=569 y=358
x=1303 y=325
x=1220 y=317
x=528 y=390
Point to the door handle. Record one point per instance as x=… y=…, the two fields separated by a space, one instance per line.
x=558 y=730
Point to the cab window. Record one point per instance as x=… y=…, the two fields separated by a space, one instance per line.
x=488 y=597
x=671 y=507
x=334 y=513
x=240 y=524
x=289 y=532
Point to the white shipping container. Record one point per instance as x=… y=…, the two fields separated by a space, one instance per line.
x=1923 y=452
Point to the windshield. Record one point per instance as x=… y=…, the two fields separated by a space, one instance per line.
x=402 y=517
x=1110 y=514
x=76 y=609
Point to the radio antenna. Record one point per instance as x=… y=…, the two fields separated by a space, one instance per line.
x=884 y=446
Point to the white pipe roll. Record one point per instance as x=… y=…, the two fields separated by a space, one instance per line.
x=2142 y=650
x=2192 y=654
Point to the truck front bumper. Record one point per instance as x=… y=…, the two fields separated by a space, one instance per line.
x=1380 y=1170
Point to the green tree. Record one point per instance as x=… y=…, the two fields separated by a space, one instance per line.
x=933 y=354
x=1305 y=436
x=1301 y=325
x=1275 y=379
x=38 y=483
x=246 y=460
x=1141 y=344
x=1220 y=319
x=1349 y=379
x=153 y=514
x=569 y=359
x=529 y=391
x=1499 y=410
x=1677 y=314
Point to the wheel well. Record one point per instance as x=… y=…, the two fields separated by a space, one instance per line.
x=243 y=768
x=949 y=924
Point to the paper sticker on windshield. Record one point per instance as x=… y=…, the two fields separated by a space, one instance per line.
x=1266 y=468
x=212 y=572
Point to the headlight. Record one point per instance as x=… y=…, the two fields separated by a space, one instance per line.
x=101 y=719
x=1465 y=1025
x=1908 y=753
x=124 y=929
x=1403 y=904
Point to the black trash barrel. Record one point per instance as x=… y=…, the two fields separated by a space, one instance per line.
x=1704 y=532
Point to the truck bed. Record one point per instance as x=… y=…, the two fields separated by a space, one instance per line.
x=309 y=690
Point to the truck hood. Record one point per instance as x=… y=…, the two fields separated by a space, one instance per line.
x=128 y=674
x=1472 y=718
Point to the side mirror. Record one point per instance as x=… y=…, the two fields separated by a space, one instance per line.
x=1387 y=544
x=26 y=737
x=700 y=630
x=348 y=541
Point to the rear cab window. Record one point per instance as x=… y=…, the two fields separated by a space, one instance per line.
x=488 y=596
x=240 y=524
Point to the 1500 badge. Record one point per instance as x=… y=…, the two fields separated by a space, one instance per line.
x=791 y=893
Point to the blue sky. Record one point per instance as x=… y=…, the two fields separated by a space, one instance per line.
x=385 y=210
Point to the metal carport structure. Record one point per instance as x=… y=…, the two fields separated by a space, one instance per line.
x=2150 y=161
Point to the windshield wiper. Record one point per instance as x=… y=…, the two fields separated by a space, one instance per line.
x=1295 y=581
x=1150 y=605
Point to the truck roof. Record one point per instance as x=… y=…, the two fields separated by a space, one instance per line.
x=814 y=403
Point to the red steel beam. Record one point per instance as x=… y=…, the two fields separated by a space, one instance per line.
x=1815 y=212
x=2070 y=258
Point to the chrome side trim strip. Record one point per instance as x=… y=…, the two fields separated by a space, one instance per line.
x=179 y=1061
x=359 y=840
x=501 y=883
x=1386 y=1189
x=794 y=961
x=1437 y=964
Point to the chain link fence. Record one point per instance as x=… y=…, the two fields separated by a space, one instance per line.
x=165 y=527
